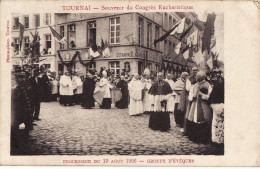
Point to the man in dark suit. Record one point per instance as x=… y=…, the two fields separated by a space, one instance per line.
x=35 y=94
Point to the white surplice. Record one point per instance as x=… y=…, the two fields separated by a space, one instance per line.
x=147 y=100
x=66 y=87
x=135 y=88
x=77 y=84
x=171 y=98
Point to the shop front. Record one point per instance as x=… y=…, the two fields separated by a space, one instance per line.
x=123 y=60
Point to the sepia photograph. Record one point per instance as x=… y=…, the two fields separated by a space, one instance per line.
x=132 y=83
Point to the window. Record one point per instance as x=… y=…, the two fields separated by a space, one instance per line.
x=62 y=33
x=48 y=18
x=188 y=21
x=170 y=47
x=157 y=35
x=165 y=46
x=26 y=42
x=149 y=34
x=157 y=67
x=48 y=41
x=37 y=20
x=16 y=44
x=92 y=33
x=91 y=66
x=141 y=31
x=166 y=21
x=26 y=21
x=114 y=68
x=170 y=22
x=47 y=66
x=149 y=66
x=173 y=21
x=72 y=35
x=114 y=30
x=16 y=23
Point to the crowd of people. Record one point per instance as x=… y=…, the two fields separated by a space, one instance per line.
x=196 y=100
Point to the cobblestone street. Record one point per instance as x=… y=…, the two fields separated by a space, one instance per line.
x=76 y=131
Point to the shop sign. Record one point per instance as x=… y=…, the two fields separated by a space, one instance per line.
x=128 y=54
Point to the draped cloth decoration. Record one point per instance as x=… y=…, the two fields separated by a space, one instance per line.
x=72 y=61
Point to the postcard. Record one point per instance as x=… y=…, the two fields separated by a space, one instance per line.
x=130 y=83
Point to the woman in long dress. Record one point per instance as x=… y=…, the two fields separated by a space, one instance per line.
x=199 y=114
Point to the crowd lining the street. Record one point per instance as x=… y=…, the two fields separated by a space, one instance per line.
x=196 y=100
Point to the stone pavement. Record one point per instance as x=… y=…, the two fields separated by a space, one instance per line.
x=76 y=131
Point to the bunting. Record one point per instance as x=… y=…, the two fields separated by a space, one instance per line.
x=208 y=32
x=193 y=38
x=180 y=27
x=177 y=48
x=166 y=34
x=186 y=51
x=186 y=32
x=198 y=57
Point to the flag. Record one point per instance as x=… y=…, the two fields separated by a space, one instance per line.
x=177 y=48
x=166 y=34
x=193 y=38
x=180 y=27
x=208 y=32
x=106 y=52
x=213 y=43
x=93 y=50
x=210 y=63
x=21 y=35
x=186 y=32
x=198 y=57
x=57 y=36
x=186 y=52
x=102 y=44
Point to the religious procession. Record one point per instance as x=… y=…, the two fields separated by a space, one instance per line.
x=183 y=95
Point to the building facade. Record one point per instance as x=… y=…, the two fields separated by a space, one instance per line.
x=130 y=37
x=34 y=24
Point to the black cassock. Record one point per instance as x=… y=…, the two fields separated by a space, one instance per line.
x=88 y=100
x=123 y=102
x=159 y=119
